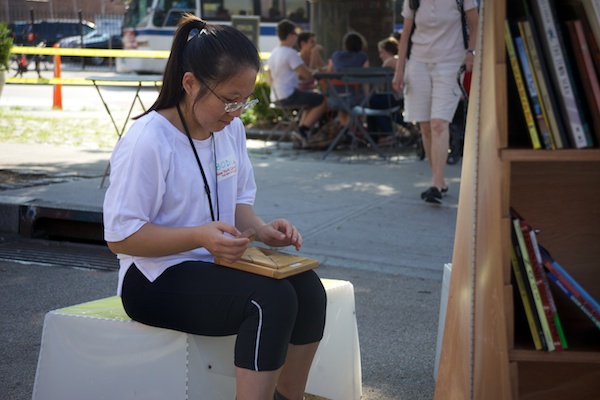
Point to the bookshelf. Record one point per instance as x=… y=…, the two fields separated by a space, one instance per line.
x=487 y=351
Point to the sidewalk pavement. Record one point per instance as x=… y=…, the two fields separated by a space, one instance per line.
x=361 y=217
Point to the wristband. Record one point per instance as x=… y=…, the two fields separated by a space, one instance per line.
x=471 y=51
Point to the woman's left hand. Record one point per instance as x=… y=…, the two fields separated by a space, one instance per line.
x=279 y=233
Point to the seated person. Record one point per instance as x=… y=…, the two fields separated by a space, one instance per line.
x=388 y=53
x=285 y=65
x=310 y=52
x=352 y=56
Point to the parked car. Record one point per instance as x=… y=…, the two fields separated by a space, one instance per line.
x=93 y=40
x=48 y=31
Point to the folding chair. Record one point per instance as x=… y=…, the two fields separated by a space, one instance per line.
x=287 y=117
x=378 y=82
x=373 y=79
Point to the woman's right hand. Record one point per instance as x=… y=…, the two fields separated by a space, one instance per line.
x=398 y=81
x=220 y=245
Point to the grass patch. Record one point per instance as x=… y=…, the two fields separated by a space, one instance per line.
x=57 y=127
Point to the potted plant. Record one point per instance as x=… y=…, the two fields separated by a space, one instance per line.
x=5 y=49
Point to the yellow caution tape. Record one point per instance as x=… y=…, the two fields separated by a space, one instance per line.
x=75 y=52
x=90 y=52
x=77 y=81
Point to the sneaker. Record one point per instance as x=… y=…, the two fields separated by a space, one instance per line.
x=299 y=139
x=432 y=195
x=443 y=191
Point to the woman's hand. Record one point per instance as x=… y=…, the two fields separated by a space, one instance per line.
x=279 y=233
x=398 y=81
x=223 y=246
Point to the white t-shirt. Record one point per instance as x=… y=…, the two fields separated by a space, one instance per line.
x=439 y=36
x=282 y=63
x=155 y=179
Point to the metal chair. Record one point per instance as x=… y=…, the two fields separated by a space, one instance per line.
x=374 y=80
x=287 y=117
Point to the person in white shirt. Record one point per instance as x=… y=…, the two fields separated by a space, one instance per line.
x=181 y=191
x=428 y=75
x=285 y=66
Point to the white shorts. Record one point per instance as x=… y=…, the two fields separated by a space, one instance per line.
x=431 y=91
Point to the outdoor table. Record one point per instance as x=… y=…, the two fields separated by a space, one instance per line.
x=123 y=80
x=371 y=78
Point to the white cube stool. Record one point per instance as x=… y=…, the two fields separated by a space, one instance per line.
x=95 y=351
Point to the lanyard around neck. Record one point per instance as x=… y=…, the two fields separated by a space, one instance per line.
x=206 y=187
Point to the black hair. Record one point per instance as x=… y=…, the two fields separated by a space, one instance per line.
x=305 y=37
x=353 y=41
x=389 y=44
x=214 y=54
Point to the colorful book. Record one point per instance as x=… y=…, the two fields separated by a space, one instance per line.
x=587 y=73
x=539 y=306
x=545 y=296
x=546 y=286
x=592 y=9
x=525 y=294
x=591 y=306
x=561 y=72
x=525 y=105
x=550 y=108
x=565 y=290
x=532 y=91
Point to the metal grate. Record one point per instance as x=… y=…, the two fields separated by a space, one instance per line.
x=61 y=254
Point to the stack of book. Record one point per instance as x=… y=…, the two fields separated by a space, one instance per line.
x=553 y=49
x=533 y=270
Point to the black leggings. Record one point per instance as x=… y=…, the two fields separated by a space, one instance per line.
x=206 y=299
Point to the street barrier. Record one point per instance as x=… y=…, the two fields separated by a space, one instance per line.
x=72 y=52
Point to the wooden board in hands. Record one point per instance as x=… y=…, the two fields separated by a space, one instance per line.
x=271 y=263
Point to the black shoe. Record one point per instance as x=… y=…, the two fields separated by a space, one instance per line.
x=432 y=195
x=299 y=140
x=444 y=192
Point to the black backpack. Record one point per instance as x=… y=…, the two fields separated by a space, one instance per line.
x=414 y=5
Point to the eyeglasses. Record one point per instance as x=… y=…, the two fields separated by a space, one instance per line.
x=232 y=106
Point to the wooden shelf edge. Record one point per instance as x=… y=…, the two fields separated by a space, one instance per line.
x=566 y=356
x=550 y=155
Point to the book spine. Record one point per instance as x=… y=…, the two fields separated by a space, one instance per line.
x=544 y=296
x=534 y=288
x=549 y=107
x=535 y=142
x=589 y=64
x=586 y=299
x=592 y=8
x=525 y=296
x=534 y=99
x=579 y=292
x=565 y=290
x=560 y=72
x=546 y=286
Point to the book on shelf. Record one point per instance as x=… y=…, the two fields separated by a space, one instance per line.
x=571 y=288
x=561 y=72
x=592 y=10
x=545 y=295
x=532 y=87
x=586 y=72
x=525 y=105
x=546 y=91
x=537 y=295
x=525 y=294
x=546 y=286
x=565 y=290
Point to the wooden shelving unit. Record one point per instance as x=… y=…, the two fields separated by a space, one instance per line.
x=487 y=351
